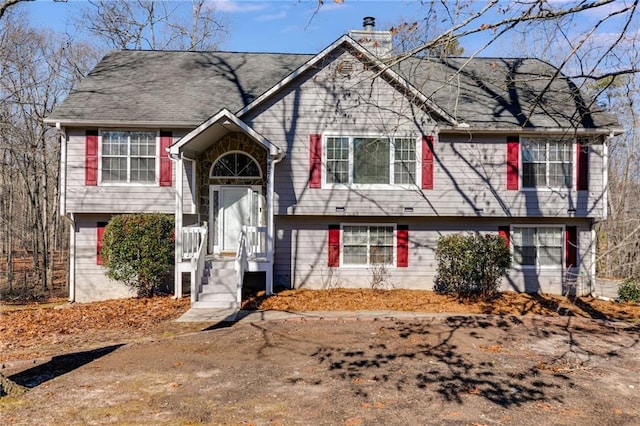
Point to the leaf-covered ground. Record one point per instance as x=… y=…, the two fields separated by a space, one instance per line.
x=428 y=301
x=32 y=331
x=36 y=330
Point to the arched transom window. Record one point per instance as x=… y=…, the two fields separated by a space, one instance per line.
x=236 y=165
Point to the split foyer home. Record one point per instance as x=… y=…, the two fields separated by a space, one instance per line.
x=307 y=171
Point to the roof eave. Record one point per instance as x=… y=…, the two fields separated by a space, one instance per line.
x=223 y=117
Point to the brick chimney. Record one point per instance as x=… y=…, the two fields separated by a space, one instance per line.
x=377 y=42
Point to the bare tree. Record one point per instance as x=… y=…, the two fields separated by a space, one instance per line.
x=38 y=69
x=155 y=25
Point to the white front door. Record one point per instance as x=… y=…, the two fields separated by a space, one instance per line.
x=235 y=212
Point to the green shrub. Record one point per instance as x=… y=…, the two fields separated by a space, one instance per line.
x=471 y=265
x=138 y=249
x=629 y=290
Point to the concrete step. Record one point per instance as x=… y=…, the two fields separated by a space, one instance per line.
x=223 y=297
x=216 y=304
x=218 y=288
x=221 y=264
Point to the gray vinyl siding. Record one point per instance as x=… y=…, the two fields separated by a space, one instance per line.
x=301 y=253
x=469 y=170
x=91 y=282
x=124 y=198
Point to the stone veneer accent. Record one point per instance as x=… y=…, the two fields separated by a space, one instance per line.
x=230 y=142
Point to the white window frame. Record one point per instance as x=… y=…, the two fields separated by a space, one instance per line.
x=391 y=184
x=547 y=139
x=537 y=266
x=368 y=265
x=129 y=183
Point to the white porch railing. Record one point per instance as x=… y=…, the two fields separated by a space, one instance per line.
x=256 y=240
x=194 y=248
x=192 y=240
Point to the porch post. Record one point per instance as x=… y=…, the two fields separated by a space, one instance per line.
x=270 y=225
x=178 y=230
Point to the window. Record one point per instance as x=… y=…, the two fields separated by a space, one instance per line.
x=537 y=246
x=546 y=163
x=129 y=157
x=368 y=244
x=370 y=160
x=236 y=165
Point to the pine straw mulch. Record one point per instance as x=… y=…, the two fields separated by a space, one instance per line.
x=429 y=301
x=42 y=330
x=35 y=330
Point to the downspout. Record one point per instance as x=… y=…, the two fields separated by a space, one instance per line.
x=63 y=168
x=67 y=217
x=271 y=226
x=605 y=175
x=177 y=281
x=594 y=248
x=72 y=256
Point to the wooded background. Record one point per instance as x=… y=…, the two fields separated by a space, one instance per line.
x=40 y=66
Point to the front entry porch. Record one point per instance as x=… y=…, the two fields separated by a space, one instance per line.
x=224 y=217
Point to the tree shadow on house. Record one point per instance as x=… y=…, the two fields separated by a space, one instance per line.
x=59 y=365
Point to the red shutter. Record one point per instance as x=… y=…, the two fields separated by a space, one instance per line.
x=503 y=231
x=513 y=153
x=427 y=162
x=571 y=248
x=582 y=166
x=315 y=161
x=101 y=226
x=402 y=246
x=91 y=158
x=334 y=246
x=166 y=173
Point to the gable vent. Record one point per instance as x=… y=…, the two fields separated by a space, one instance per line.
x=345 y=68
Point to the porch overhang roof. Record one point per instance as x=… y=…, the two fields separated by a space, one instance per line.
x=199 y=139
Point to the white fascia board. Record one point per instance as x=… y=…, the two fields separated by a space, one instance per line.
x=532 y=132
x=121 y=124
x=345 y=39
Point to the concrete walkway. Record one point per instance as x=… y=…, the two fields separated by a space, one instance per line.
x=233 y=315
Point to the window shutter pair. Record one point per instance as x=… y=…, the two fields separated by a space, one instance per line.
x=315 y=161
x=402 y=246
x=582 y=163
x=91 y=158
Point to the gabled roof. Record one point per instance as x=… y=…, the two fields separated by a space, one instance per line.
x=183 y=89
x=370 y=59
x=199 y=139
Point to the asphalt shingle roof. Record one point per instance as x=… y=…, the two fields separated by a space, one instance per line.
x=173 y=87
x=188 y=87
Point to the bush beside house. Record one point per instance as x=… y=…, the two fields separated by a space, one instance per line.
x=138 y=249
x=471 y=265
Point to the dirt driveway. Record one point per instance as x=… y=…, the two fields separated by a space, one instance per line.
x=438 y=370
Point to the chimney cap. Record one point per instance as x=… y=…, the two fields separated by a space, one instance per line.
x=369 y=23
